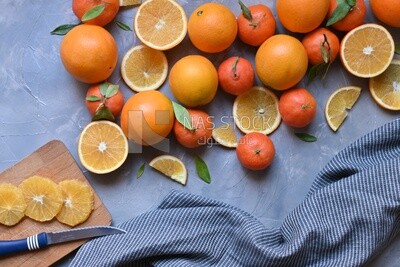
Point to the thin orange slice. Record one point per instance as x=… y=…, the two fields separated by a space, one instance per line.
x=12 y=204
x=257 y=110
x=338 y=105
x=102 y=147
x=225 y=135
x=78 y=202
x=43 y=198
x=385 y=88
x=160 y=24
x=367 y=50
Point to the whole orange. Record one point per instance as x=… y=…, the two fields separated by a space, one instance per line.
x=281 y=62
x=387 y=11
x=315 y=41
x=301 y=15
x=113 y=103
x=193 y=80
x=111 y=7
x=235 y=75
x=89 y=53
x=259 y=28
x=200 y=134
x=353 y=19
x=255 y=151
x=297 y=107
x=212 y=27
x=147 y=117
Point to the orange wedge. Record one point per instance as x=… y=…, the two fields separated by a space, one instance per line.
x=385 y=88
x=257 y=110
x=144 y=68
x=225 y=135
x=43 y=198
x=12 y=204
x=171 y=167
x=338 y=105
x=129 y=2
x=102 y=147
x=367 y=50
x=160 y=24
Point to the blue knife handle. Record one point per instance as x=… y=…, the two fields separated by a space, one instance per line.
x=26 y=244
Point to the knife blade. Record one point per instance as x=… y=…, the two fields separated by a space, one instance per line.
x=44 y=239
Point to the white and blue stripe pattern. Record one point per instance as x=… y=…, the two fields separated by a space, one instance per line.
x=33 y=242
x=350 y=214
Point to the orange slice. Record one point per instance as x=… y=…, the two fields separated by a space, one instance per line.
x=129 y=2
x=102 y=147
x=225 y=135
x=367 y=50
x=78 y=202
x=338 y=105
x=43 y=198
x=12 y=204
x=144 y=68
x=385 y=88
x=257 y=110
x=171 y=167
x=160 y=24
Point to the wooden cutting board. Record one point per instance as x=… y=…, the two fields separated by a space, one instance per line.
x=54 y=161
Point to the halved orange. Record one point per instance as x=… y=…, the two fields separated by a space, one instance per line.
x=43 y=198
x=102 y=147
x=385 y=88
x=367 y=50
x=160 y=24
x=257 y=110
x=144 y=68
x=12 y=204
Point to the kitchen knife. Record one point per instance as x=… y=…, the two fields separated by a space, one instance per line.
x=43 y=240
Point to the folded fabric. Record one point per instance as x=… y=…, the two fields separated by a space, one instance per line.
x=350 y=214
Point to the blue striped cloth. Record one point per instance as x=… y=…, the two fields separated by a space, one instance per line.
x=350 y=214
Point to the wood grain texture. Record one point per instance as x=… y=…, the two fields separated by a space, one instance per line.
x=54 y=161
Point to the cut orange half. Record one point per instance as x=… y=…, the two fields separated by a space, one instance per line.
x=338 y=105
x=144 y=68
x=160 y=24
x=225 y=135
x=78 y=202
x=257 y=110
x=43 y=198
x=367 y=50
x=102 y=147
x=171 y=167
x=12 y=204
x=385 y=88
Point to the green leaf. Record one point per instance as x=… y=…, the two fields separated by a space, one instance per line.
x=93 y=12
x=234 y=65
x=103 y=88
x=397 y=49
x=339 y=13
x=141 y=170
x=351 y=3
x=63 y=29
x=202 y=169
x=314 y=72
x=93 y=98
x=112 y=89
x=123 y=26
x=182 y=115
x=246 y=12
x=103 y=113
x=306 y=137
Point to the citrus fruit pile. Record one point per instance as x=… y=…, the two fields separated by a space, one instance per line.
x=41 y=199
x=281 y=61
